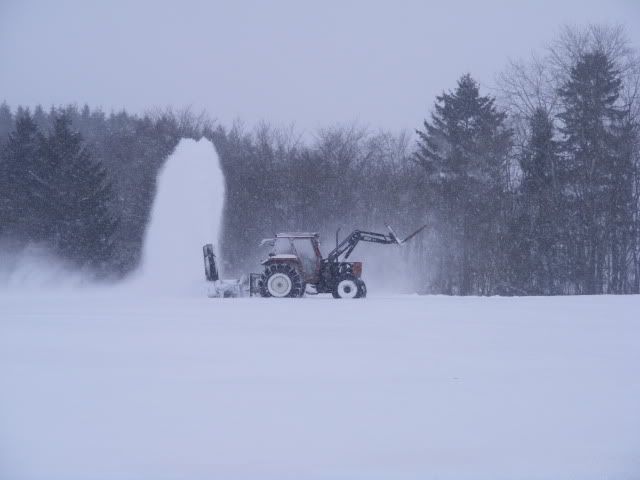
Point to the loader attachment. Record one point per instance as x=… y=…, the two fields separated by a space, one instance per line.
x=409 y=237
x=394 y=237
x=348 y=244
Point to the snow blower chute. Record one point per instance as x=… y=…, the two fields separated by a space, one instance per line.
x=217 y=287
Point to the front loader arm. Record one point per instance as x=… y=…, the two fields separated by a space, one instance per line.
x=347 y=245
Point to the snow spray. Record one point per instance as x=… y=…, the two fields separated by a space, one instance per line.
x=186 y=214
x=33 y=267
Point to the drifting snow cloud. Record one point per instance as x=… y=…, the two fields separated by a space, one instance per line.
x=34 y=268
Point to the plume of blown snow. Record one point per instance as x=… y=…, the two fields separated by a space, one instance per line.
x=34 y=268
x=186 y=214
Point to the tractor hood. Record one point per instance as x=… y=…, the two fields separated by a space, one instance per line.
x=279 y=257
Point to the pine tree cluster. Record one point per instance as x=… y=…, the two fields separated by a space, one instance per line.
x=55 y=194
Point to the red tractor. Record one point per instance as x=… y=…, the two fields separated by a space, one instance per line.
x=295 y=266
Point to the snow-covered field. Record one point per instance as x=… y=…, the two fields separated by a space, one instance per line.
x=108 y=386
x=151 y=381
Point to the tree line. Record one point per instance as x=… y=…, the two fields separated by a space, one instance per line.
x=531 y=189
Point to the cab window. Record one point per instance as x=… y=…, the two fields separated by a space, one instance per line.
x=306 y=253
x=282 y=246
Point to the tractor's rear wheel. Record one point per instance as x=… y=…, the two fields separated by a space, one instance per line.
x=349 y=286
x=281 y=280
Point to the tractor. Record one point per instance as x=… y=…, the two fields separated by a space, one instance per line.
x=295 y=266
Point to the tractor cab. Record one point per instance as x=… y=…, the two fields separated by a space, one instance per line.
x=300 y=248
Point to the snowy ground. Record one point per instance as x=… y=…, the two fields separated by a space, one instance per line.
x=107 y=387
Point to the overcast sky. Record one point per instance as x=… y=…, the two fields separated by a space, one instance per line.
x=308 y=63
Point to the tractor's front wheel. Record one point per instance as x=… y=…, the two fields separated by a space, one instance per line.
x=280 y=281
x=349 y=286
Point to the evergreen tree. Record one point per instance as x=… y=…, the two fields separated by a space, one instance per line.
x=621 y=228
x=463 y=152
x=6 y=122
x=42 y=118
x=539 y=217
x=17 y=170
x=74 y=196
x=593 y=168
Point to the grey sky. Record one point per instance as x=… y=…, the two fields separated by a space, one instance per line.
x=311 y=63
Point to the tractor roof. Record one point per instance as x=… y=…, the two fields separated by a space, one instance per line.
x=298 y=235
